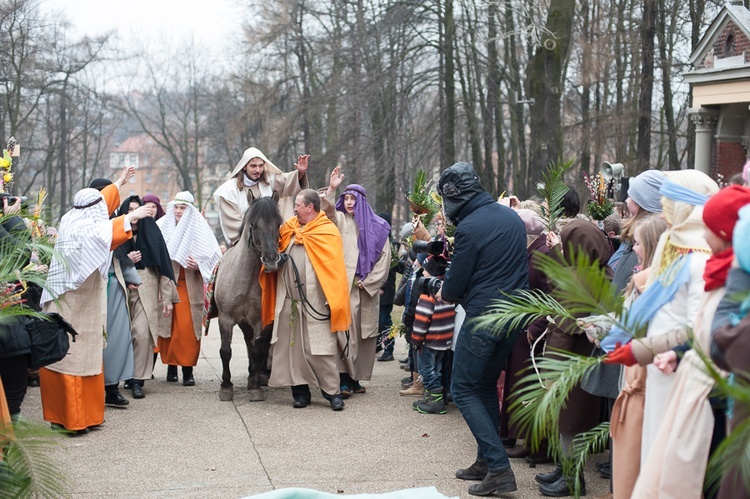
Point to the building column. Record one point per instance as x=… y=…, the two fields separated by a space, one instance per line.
x=705 y=122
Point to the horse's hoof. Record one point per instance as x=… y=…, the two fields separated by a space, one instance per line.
x=256 y=395
x=226 y=394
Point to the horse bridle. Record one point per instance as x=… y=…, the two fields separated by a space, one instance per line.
x=251 y=243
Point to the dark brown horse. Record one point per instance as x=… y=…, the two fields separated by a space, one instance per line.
x=238 y=295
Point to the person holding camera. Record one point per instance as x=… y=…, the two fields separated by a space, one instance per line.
x=489 y=261
x=432 y=337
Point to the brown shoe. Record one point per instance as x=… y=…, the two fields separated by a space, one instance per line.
x=518 y=452
x=416 y=389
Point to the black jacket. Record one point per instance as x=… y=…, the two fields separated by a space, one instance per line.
x=489 y=256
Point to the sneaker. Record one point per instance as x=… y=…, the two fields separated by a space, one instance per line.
x=346 y=392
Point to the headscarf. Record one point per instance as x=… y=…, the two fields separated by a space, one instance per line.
x=149 y=242
x=681 y=192
x=192 y=236
x=644 y=190
x=720 y=214
x=373 y=230
x=406 y=231
x=531 y=220
x=151 y=198
x=83 y=244
x=249 y=154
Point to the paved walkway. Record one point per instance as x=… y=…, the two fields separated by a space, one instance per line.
x=183 y=442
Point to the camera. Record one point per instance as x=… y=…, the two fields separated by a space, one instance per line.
x=436 y=266
x=12 y=199
x=433 y=247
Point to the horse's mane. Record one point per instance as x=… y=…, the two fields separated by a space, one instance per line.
x=265 y=209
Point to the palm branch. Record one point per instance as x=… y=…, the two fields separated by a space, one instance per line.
x=535 y=408
x=552 y=190
x=27 y=469
x=420 y=200
x=586 y=444
x=582 y=289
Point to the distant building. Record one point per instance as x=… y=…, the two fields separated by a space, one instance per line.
x=156 y=174
x=720 y=92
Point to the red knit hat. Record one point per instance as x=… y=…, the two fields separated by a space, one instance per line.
x=720 y=212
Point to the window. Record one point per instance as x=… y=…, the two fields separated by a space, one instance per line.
x=148 y=177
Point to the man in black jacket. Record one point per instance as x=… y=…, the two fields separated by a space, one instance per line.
x=489 y=259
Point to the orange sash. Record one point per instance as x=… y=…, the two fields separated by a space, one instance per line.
x=322 y=241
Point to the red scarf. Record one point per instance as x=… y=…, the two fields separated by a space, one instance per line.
x=717 y=269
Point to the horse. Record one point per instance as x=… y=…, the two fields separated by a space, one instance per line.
x=238 y=295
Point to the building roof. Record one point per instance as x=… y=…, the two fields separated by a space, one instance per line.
x=738 y=14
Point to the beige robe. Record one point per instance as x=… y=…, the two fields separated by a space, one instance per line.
x=233 y=203
x=147 y=319
x=359 y=348
x=85 y=354
x=676 y=466
x=304 y=349
x=196 y=293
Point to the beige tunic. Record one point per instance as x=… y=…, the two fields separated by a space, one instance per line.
x=232 y=203
x=304 y=349
x=359 y=349
x=147 y=319
x=89 y=302
x=676 y=465
x=196 y=293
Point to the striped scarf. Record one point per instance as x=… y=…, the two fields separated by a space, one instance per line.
x=83 y=244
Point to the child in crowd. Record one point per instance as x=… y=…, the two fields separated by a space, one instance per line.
x=432 y=336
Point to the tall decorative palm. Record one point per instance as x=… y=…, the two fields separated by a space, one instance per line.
x=26 y=470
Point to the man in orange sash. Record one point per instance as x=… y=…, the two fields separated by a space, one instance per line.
x=310 y=304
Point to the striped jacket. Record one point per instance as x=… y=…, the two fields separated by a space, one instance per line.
x=433 y=323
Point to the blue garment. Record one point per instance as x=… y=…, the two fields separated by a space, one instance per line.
x=479 y=359
x=615 y=258
x=651 y=301
x=430 y=367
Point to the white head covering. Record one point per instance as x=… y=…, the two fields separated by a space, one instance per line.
x=83 y=245
x=192 y=236
x=249 y=154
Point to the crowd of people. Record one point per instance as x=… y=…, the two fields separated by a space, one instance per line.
x=130 y=276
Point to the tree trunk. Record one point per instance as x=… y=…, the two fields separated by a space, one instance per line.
x=643 y=148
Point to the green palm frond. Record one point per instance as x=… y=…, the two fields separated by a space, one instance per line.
x=552 y=190
x=29 y=470
x=583 y=288
x=535 y=408
x=585 y=444
x=519 y=310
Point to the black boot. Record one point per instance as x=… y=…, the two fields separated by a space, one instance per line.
x=301 y=396
x=113 y=397
x=137 y=386
x=551 y=477
x=337 y=402
x=561 y=488
x=172 y=374
x=496 y=482
x=477 y=471
x=187 y=376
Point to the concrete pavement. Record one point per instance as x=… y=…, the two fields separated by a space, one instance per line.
x=182 y=442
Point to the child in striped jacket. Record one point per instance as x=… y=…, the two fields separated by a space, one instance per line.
x=432 y=336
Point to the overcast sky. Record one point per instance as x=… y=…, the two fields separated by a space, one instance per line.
x=212 y=22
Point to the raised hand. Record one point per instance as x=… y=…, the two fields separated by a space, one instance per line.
x=128 y=172
x=336 y=178
x=302 y=163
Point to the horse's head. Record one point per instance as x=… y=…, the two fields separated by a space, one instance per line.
x=263 y=218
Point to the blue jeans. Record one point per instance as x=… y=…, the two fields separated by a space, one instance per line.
x=384 y=325
x=478 y=360
x=430 y=367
